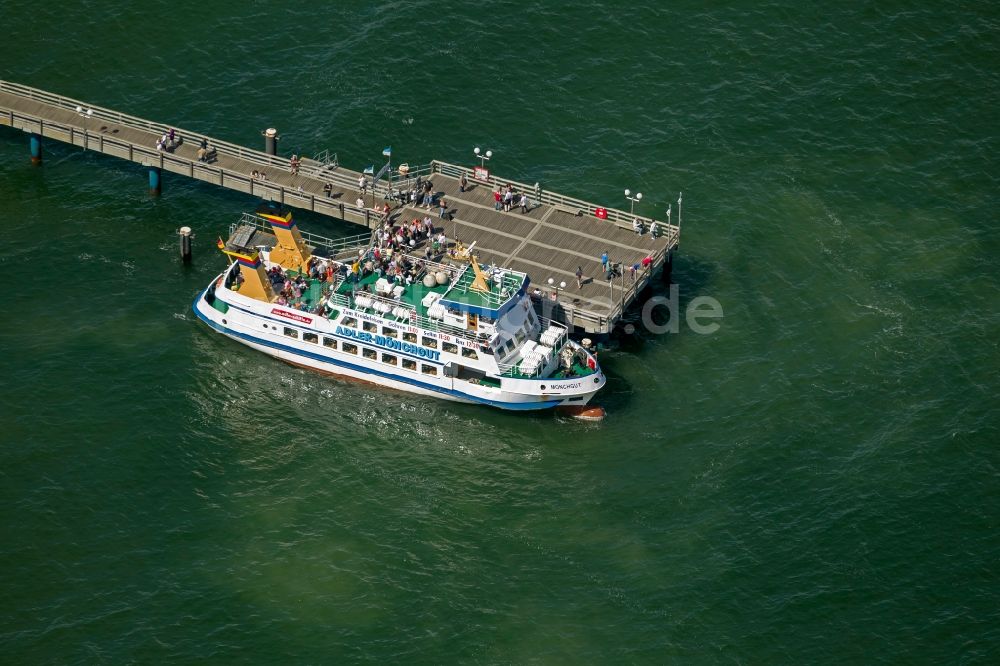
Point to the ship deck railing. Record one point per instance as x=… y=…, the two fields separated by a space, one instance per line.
x=498 y=294
x=413 y=316
x=332 y=246
x=403 y=182
x=513 y=370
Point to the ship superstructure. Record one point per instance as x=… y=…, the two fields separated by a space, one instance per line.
x=379 y=312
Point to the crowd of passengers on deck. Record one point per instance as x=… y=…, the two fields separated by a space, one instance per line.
x=387 y=258
x=293 y=290
x=406 y=236
x=391 y=265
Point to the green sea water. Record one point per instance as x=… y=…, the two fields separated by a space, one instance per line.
x=816 y=482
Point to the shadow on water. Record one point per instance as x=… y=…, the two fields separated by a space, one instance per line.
x=693 y=278
x=617 y=394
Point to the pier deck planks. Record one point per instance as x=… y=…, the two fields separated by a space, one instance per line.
x=546 y=242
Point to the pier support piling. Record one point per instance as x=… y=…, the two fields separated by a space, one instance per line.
x=154 y=181
x=35 y=141
x=271 y=141
x=185 y=236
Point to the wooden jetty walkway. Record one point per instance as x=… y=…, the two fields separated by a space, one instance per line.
x=555 y=236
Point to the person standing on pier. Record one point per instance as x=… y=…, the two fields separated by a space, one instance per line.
x=428 y=194
x=524 y=203
x=442 y=208
x=497 y=196
x=604 y=261
x=463 y=183
x=362 y=184
x=579 y=277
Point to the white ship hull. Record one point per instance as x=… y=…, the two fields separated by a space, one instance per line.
x=254 y=324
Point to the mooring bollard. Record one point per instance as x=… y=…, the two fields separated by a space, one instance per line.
x=35 y=141
x=185 y=234
x=154 y=180
x=270 y=141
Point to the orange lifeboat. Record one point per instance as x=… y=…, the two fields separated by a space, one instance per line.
x=583 y=412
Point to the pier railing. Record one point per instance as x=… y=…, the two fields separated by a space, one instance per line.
x=85 y=125
x=322 y=168
x=89 y=112
x=91 y=137
x=567 y=204
x=621 y=294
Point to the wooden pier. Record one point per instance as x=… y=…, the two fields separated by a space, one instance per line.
x=555 y=236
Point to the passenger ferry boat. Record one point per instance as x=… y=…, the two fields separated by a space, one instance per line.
x=449 y=330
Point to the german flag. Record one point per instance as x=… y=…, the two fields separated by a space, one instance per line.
x=220 y=243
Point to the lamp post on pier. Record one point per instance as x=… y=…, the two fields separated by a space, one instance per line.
x=637 y=198
x=557 y=289
x=483 y=157
x=680 y=196
x=481 y=173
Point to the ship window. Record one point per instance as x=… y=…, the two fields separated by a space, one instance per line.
x=349 y=348
x=311 y=337
x=410 y=337
x=389 y=358
x=330 y=342
x=449 y=347
x=291 y=332
x=349 y=321
x=429 y=342
x=409 y=365
x=469 y=353
x=520 y=335
x=368 y=326
x=369 y=353
x=428 y=369
x=390 y=332
x=508 y=347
